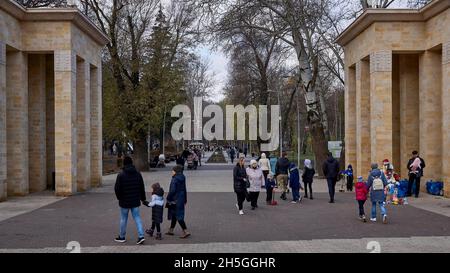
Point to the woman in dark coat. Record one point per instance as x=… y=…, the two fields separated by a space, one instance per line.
x=308 y=176
x=176 y=201
x=240 y=183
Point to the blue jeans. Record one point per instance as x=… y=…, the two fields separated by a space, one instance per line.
x=296 y=194
x=124 y=220
x=374 y=208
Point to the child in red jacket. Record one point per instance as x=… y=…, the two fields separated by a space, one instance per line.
x=361 y=196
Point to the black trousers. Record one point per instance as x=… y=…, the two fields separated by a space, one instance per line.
x=361 y=207
x=350 y=183
x=269 y=194
x=240 y=199
x=308 y=184
x=157 y=226
x=173 y=223
x=254 y=198
x=414 y=178
x=331 y=187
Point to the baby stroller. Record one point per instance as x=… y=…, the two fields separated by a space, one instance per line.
x=190 y=161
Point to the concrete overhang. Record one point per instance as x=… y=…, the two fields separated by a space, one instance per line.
x=370 y=16
x=55 y=14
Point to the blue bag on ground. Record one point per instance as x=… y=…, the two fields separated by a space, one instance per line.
x=434 y=187
x=402 y=188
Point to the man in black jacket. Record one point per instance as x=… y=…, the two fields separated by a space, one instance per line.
x=415 y=177
x=331 y=171
x=281 y=173
x=130 y=191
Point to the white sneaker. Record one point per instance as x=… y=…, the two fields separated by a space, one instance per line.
x=373 y=219
x=241 y=212
x=294 y=202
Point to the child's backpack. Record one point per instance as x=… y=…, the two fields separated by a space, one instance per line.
x=377 y=184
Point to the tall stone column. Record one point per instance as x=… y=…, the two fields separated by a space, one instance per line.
x=65 y=122
x=3 y=185
x=381 y=106
x=83 y=126
x=50 y=117
x=37 y=122
x=409 y=110
x=350 y=117
x=17 y=122
x=96 y=127
x=363 y=118
x=430 y=110
x=446 y=117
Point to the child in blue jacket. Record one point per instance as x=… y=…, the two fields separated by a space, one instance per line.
x=294 y=183
x=270 y=185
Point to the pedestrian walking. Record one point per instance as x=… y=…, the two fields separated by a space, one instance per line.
x=176 y=201
x=270 y=185
x=130 y=191
x=256 y=179
x=377 y=182
x=361 y=197
x=331 y=171
x=308 y=177
x=157 y=205
x=240 y=182
x=232 y=155
x=281 y=173
x=294 y=183
x=264 y=164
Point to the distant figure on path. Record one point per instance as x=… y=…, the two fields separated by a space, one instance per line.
x=331 y=171
x=256 y=179
x=176 y=201
x=130 y=191
x=264 y=164
x=308 y=177
x=281 y=173
x=377 y=182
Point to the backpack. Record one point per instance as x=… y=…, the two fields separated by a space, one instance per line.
x=377 y=184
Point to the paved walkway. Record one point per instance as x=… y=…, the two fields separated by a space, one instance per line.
x=44 y=223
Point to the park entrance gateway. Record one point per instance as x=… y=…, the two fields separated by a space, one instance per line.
x=50 y=100
x=397 y=66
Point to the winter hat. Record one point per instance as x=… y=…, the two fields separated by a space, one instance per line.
x=360 y=179
x=263 y=155
x=374 y=166
x=308 y=163
x=292 y=165
x=253 y=162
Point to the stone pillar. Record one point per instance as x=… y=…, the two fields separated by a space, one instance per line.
x=396 y=112
x=3 y=185
x=350 y=117
x=409 y=110
x=381 y=106
x=17 y=122
x=37 y=123
x=50 y=116
x=65 y=122
x=445 y=118
x=96 y=127
x=363 y=118
x=430 y=110
x=83 y=126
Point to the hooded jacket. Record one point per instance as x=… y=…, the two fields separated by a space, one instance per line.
x=129 y=188
x=294 y=177
x=256 y=179
x=331 y=168
x=157 y=205
x=378 y=195
x=361 y=191
x=264 y=163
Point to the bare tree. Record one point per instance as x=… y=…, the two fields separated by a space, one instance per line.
x=42 y=3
